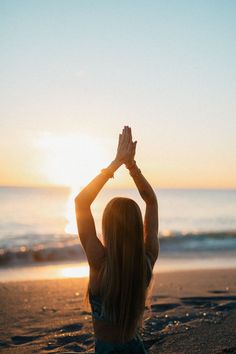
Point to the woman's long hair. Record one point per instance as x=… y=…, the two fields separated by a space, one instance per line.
x=124 y=274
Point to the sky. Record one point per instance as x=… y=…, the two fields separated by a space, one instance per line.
x=73 y=73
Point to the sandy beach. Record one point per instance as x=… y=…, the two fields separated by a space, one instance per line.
x=190 y=312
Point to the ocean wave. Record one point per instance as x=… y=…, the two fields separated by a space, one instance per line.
x=25 y=255
x=199 y=242
x=49 y=248
x=200 y=234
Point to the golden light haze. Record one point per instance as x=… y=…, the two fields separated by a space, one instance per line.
x=74 y=159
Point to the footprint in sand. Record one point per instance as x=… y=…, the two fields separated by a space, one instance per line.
x=70 y=342
x=164 y=307
x=17 y=340
x=71 y=327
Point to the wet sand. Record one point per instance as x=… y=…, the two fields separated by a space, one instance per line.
x=190 y=312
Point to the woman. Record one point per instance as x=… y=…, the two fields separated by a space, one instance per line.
x=120 y=267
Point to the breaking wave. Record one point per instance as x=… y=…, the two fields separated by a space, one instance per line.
x=54 y=248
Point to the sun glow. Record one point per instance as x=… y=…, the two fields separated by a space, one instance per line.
x=72 y=159
x=71 y=227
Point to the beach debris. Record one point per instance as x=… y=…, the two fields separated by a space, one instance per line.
x=51 y=345
x=45 y=308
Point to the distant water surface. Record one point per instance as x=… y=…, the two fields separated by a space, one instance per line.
x=38 y=224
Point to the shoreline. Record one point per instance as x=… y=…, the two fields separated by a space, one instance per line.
x=65 y=269
x=190 y=312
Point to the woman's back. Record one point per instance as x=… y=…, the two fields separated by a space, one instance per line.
x=120 y=269
x=103 y=327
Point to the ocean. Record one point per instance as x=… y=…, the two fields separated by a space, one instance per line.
x=37 y=226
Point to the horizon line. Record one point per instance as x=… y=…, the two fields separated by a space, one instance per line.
x=38 y=186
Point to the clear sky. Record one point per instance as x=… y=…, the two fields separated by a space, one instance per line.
x=73 y=73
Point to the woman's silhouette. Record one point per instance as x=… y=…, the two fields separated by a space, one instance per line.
x=120 y=267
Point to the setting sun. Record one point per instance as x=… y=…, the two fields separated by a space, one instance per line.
x=70 y=160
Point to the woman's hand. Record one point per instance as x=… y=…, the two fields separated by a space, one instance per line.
x=130 y=156
x=126 y=147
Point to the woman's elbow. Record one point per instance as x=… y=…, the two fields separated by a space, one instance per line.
x=80 y=202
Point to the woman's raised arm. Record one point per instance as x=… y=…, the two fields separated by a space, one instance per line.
x=86 y=226
x=85 y=222
x=88 y=194
x=149 y=197
x=151 y=214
